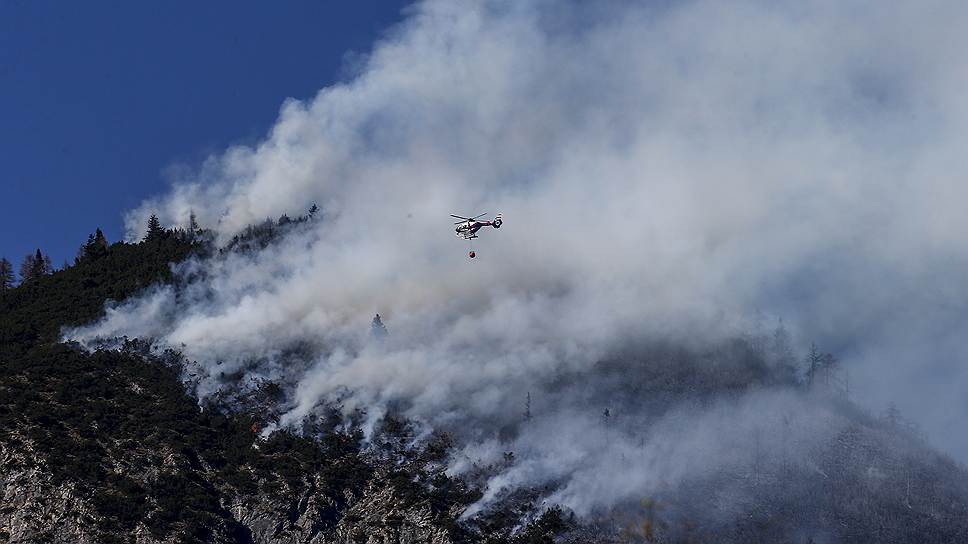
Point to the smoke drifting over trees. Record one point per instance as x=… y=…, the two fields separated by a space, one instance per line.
x=665 y=172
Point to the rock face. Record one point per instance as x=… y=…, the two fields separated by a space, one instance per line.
x=375 y=519
x=269 y=520
x=39 y=508
x=34 y=507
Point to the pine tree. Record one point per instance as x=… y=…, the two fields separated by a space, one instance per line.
x=193 y=227
x=606 y=419
x=35 y=266
x=814 y=363
x=377 y=328
x=46 y=266
x=6 y=275
x=96 y=246
x=100 y=240
x=154 y=228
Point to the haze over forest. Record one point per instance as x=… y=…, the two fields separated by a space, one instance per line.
x=732 y=237
x=663 y=167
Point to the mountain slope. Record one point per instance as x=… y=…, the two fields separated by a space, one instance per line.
x=111 y=445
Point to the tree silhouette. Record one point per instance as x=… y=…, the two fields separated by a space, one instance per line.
x=154 y=228
x=95 y=247
x=377 y=328
x=814 y=363
x=829 y=365
x=193 y=227
x=34 y=266
x=6 y=274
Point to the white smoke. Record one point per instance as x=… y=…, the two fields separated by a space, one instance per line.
x=664 y=170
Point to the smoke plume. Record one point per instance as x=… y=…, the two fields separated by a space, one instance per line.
x=666 y=171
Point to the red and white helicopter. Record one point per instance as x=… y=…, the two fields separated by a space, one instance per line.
x=467 y=227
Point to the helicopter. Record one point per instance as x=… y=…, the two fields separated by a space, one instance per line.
x=467 y=227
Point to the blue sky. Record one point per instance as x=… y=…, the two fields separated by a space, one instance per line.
x=97 y=99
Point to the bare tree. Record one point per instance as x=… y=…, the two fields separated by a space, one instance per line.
x=829 y=364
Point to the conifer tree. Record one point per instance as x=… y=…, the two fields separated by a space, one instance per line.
x=193 y=223
x=377 y=328
x=154 y=228
x=96 y=246
x=814 y=363
x=6 y=274
x=44 y=265
x=34 y=266
x=100 y=241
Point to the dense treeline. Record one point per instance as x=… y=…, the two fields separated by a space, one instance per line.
x=122 y=429
x=35 y=311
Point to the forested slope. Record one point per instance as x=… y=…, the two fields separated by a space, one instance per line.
x=111 y=445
